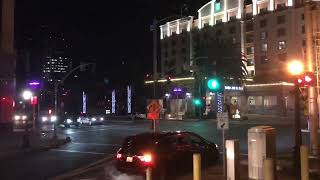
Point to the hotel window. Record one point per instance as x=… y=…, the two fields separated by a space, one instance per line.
x=252 y=73
x=234 y=40
x=249 y=27
x=302 y=16
x=218 y=21
x=250 y=62
x=263 y=10
x=282 y=45
x=232 y=30
x=264 y=47
x=218 y=32
x=250 y=50
x=233 y=18
x=173 y=52
x=249 y=38
x=281 y=32
x=255 y=100
x=282 y=57
x=281 y=6
x=269 y=101
x=264 y=60
x=263 y=23
x=173 y=42
x=263 y=35
x=281 y=19
x=302 y=29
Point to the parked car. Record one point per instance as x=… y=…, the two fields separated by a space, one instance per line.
x=167 y=153
x=90 y=120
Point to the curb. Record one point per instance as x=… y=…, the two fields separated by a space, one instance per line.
x=76 y=172
x=36 y=149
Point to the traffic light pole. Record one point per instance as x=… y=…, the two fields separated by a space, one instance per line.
x=312 y=95
x=297 y=128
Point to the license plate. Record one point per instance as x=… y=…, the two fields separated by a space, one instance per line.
x=129 y=159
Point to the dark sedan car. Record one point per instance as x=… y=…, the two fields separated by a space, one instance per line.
x=167 y=153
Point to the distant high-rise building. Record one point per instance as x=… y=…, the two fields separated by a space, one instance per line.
x=55 y=67
x=8 y=61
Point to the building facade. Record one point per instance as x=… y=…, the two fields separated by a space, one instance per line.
x=55 y=67
x=269 y=33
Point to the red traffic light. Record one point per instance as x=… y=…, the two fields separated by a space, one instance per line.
x=307 y=79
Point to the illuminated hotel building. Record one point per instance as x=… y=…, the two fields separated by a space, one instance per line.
x=268 y=32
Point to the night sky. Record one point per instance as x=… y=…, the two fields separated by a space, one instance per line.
x=114 y=34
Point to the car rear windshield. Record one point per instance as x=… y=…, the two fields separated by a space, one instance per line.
x=139 y=144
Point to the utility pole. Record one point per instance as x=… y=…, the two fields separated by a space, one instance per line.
x=155 y=63
x=297 y=127
x=312 y=95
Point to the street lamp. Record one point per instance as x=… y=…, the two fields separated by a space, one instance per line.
x=26 y=95
x=295 y=69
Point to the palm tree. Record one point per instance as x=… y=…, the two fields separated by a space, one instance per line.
x=224 y=60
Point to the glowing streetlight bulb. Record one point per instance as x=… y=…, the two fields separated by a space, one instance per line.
x=295 y=67
x=27 y=95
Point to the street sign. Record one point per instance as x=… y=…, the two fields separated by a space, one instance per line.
x=153 y=110
x=222 y=121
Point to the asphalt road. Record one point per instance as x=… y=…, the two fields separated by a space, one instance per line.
x=93 y=143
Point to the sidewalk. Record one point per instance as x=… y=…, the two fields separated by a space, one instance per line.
x=11 y=143
x=108 y=172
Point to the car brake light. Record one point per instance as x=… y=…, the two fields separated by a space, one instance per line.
x=119 y=156
x=146 y=158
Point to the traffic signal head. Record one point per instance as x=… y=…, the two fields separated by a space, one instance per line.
x=307 y=79
x=213 y=84
x=197 y=102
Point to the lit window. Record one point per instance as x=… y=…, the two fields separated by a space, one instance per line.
x=264 y=47
x=263 y=35
x=250 y=62
x=255 y=100
x=281 y=45
x=250 y=50
x=264 y=59
x=269 y=101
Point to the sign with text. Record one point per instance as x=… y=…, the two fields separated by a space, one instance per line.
x=222 y=121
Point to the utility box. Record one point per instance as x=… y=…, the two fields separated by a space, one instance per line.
x=261 y=145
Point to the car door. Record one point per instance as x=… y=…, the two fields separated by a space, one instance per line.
x=199 y=145
x=183 y=153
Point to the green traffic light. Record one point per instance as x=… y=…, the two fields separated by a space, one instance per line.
x=213 y=84
x=197 y=102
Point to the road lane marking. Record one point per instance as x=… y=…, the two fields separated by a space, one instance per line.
x=96 y=144
x=74 y=151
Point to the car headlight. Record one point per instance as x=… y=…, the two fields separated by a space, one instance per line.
x=16 y=117
x=53 y=118
x=69 y=121
x=101 y=119
x=44 y=119
x=24 y=117
x=78 y=120
x=93 y=119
